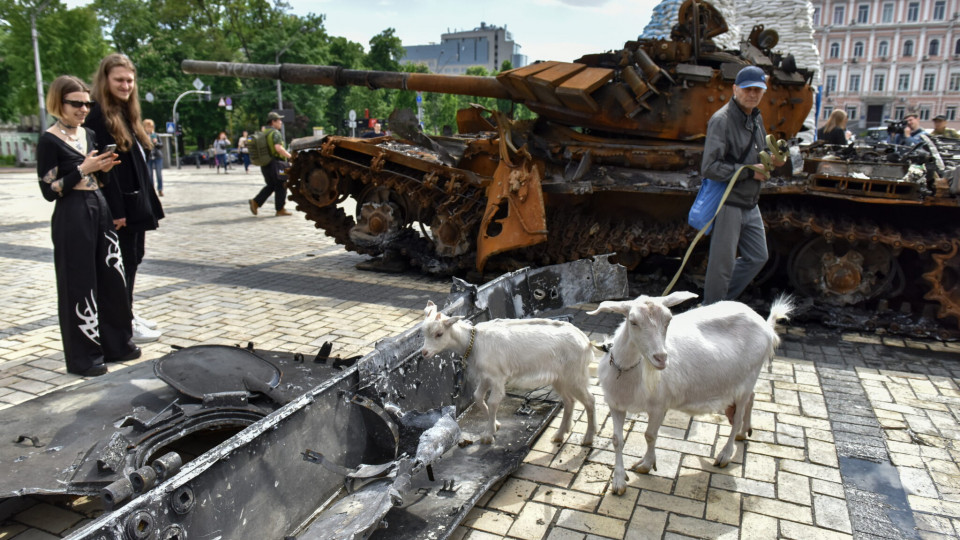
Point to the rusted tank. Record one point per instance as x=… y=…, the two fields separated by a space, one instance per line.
x=611 y=165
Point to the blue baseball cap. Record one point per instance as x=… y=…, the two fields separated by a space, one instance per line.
x=751 y=76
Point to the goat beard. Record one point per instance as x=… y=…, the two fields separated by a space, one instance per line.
x=651 y=377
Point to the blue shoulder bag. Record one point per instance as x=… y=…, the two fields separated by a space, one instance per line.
x=707 y=203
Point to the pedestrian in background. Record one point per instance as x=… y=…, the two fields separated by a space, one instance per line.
x=155 y=159
x=220 y=147
x=92 y=304
x=274 y=173
x=244 y=151
x=134 y=204
x=940 y=128
x=835 y=130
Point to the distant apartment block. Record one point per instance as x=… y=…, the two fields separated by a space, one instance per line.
x=486 y=46
x=883 y=59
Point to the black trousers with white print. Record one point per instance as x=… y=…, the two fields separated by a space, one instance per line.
x=93 y=306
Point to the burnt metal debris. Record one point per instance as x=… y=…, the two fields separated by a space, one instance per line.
x=612 y=165
x=368 y=448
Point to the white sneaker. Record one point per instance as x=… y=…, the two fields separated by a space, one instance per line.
x=145 y=322
x=142 y=334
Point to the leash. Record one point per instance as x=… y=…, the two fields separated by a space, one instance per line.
x=776 y=153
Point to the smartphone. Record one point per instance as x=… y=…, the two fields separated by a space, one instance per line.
x=111 y=148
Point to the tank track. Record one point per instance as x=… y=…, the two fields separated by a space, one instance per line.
x=944 y=287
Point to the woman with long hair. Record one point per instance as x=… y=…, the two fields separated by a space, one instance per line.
x=129 y=192
x=94 y=313
x=220 y=147
x=835 y=130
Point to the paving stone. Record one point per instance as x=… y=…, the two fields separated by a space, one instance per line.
x=646 y=523
x=698 y=528
x=723 y=506
x=831 y=513
x=533 y=522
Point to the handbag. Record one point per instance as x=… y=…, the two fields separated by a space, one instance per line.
x=707 y=203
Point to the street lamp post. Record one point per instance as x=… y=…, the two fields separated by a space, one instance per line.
x=283 y=126
x=36 y=63
x=176 y=121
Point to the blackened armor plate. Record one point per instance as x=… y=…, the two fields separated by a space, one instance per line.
x=213 y=369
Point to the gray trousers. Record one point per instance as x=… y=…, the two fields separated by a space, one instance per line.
x=727 y=274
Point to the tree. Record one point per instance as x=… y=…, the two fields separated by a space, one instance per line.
x=69 y=42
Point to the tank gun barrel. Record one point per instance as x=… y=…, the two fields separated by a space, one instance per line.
x=467 y=85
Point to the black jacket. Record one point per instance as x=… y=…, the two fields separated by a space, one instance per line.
x=127 y=187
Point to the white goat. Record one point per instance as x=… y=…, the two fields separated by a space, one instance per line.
x=705 y=360
x=538 y=351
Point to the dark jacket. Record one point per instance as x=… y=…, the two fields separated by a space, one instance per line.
x=837 y=135
x=127 y=187
x=57 y=164
x=730 y=132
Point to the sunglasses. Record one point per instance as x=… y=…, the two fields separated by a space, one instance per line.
x=79 y=104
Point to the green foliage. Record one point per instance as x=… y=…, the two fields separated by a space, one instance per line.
x=69 y=42
x=158 y=35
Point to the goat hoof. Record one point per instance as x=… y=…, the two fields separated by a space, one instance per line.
x=587 y=441
x=618 y=487
x=558 y=437
x=643 y=468
x=750 y=432
x=486 y=439
x=496 y=426
x=740 y=437
x=721 y=462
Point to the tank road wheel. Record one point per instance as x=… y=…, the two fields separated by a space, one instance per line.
x=320 y=187
x=839 y=273
x=381 y=214
x=451 y=236
x=944 y=282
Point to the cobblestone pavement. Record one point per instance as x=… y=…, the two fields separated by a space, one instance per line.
x=855 y=435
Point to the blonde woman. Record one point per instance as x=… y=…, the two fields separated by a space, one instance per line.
x=835 y=130
x=133 y=202
x=92 y=302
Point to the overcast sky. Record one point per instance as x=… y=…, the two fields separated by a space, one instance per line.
x=545 y=29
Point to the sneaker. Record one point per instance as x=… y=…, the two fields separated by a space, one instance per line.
x=145 y=322
x=142 y=334
x=282 y=212
x=160 y=193
x=253 y=206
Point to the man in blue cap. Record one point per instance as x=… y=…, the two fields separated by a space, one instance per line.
x=735 y=137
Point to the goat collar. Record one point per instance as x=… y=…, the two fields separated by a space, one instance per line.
x=620 y=370
x=473 y=336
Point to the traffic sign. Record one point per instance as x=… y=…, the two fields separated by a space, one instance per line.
x=221 y=103
x=171 y=127
x=352 y=115
x=419 y=98
x=198 y=84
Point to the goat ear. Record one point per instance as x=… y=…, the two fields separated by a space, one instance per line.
x=622 y=308
x=678 y=297
x=448 y=322
x=430 y=309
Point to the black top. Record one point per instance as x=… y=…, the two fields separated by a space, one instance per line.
x=127 y=187
x=837 y=135
x=57 y=164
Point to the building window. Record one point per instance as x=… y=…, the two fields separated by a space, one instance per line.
x=816 y=16
x=879 y=82
x=939 y=10
x=913 y=11
x=838 y=13
x=826 y=112
x=934 y=48
x=883 y=49
x=887 y=15
x=898 y=113
x=834 y=50
x=858 y=49
x=929 y=81
x=954 y=85
x=831 y=84
x=956 y=48
x=908 y=48
x=951 y=112
x=924 y=112
x=863 y=13
x=851 y=113
x=903 y=82
x=854 y=85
